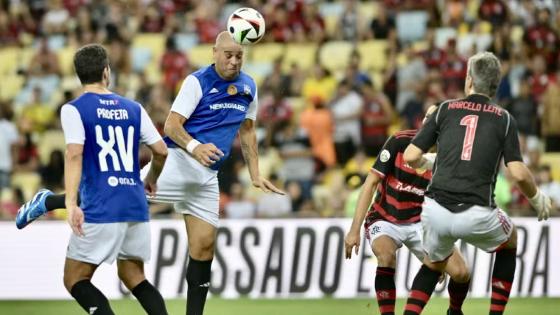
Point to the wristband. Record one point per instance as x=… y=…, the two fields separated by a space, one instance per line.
x=192 y=145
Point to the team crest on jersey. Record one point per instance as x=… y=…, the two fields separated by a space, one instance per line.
x=384 y=156
x=246 y=89
x=231 y=90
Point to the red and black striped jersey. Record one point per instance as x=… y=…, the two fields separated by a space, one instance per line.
x=400 y=194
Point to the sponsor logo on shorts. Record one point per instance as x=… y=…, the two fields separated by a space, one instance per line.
x=375 y=229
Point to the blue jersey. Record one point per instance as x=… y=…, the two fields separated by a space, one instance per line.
x=215 y=108
x=111 y=189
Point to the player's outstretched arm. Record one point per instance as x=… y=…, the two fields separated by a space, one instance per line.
x=72 y=177
x=364 y=201
x=525 y=181
x=248 y=139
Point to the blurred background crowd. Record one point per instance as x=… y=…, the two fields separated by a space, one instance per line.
x=335 y=78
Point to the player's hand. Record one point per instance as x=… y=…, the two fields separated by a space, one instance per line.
x=266 y=186
x=150 y=186
x=542 y=204
x=207 y=154
x=352 y=240
x=76 y=220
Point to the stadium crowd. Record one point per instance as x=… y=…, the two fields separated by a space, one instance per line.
x=335 y=80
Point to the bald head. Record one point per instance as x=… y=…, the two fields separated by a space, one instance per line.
x=224 y=40
x=228 y=56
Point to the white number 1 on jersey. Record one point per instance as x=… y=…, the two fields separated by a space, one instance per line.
x=124 y=153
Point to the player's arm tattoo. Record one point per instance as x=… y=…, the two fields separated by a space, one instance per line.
x=249 y=147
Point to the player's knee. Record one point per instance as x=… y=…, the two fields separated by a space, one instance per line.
x=70 y=280
x=202 y=248
x=386 y=258
x=462 y=274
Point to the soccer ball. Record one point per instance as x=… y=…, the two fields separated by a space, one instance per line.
x=246 y=26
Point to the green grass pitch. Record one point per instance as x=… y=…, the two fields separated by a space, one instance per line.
x=216 y=306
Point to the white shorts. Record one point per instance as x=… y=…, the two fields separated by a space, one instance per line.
x=104 y=242
x=408 y=234
x=191 y=187
x=483 y=227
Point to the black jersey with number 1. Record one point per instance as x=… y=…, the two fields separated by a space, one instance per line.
x=472 y=136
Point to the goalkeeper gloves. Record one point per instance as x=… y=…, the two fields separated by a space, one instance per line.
x=542 y=203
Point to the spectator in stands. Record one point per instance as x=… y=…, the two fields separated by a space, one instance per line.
x=276 y=81
x=522 y=12
x=347 y=108
x=144 y=89
x=174 y=66
x=410 y=78
x=239 y=207
x=274 y=205
x=153 y=19
x=539 y=79
x=52 y=174
x=350 y=25
x=295 y=192
x=524 y=109
x=55 y=20
x=383 y=25
x=493 y=11
x=10 y=202
x=121 y=65
x=280 y=29
x=206 y=20
x=313 y=24
x=298 y=163
x=433 y=56
x=87 y=29
x=548 y=185
x=276 y=111
x=453 y=71
x=320 y=84
x=550 y=126
x=453 y=13
x=318 y=121
x=27 y=153
x=359 y=164
x=376 y=118
x=44 y=62
x=8 y=33
x=542 y=38
x=37 y=113
x=353 y=74
x=8 y=145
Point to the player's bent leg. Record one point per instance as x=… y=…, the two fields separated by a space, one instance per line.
x=77 y=280
x=33 y=209
x=201 y=238
x=131 y=273
x=503 y=274
x=459 y=284
x=385 y=248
